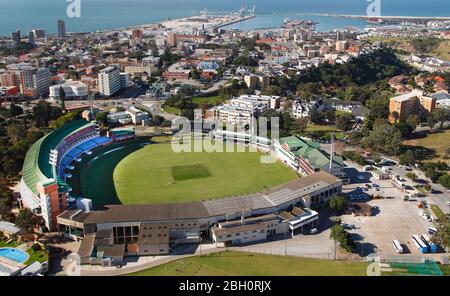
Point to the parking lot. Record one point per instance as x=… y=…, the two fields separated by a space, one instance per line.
x=392 y=219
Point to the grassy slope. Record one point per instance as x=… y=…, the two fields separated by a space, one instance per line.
x=213 y=100
x=438 y=142
x=246 y=264
x=146 y=175
x=322 y=128
x=442 y=51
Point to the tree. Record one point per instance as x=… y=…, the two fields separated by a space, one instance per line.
x=413 y=121
x=315 y=116
x=195 y=73
x=16 y=132
x=102 y=117
x=272 y=90
x=15 y=110
x=384 y=138
x=411 y=176
x=5 y=209
x=440 y=116
x=339 y=234
x=404 y=128
x=376 y=157
x=433 y=175
x=299 y=126
x=444 y=180
x=62 y=98
x=26 y=219
x=339 y=204
x=408 y=158
x=43 y=112
x=65 y=119
x=345 y=121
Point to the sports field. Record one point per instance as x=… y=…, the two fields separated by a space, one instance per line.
x=231 y=263
x=156 y=174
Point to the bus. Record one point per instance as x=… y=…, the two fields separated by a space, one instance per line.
x=397 y=246
x=418 y=242
x=433 y=247
x=432 y=230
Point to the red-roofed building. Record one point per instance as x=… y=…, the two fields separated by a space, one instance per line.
x=265 y=40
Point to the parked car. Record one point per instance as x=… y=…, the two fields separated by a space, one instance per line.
x=313 y=231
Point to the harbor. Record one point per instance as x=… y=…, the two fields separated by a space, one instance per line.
x=204 y=20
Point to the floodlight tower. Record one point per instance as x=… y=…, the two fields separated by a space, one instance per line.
x=53 y=161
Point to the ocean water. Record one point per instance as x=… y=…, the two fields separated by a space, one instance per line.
x=107 y=14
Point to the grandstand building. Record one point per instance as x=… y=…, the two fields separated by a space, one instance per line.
x=121 y=135
x=47 y=166
x=307 y=157
x=154 y=229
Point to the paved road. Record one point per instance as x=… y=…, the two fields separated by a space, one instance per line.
x=154 y=107
x=439 y=198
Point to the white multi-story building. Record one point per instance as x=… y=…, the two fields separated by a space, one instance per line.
x=32 y=81
x=74 y=90
x=109 y=80
x=240 y=110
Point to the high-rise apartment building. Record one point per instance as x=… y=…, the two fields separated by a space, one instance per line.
x=414 y=103
x=109 y=80
x=172 y=40
x=61 y=29
x=31 y=38
x=38 y=33
x=137 y=34
x=15 y=36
